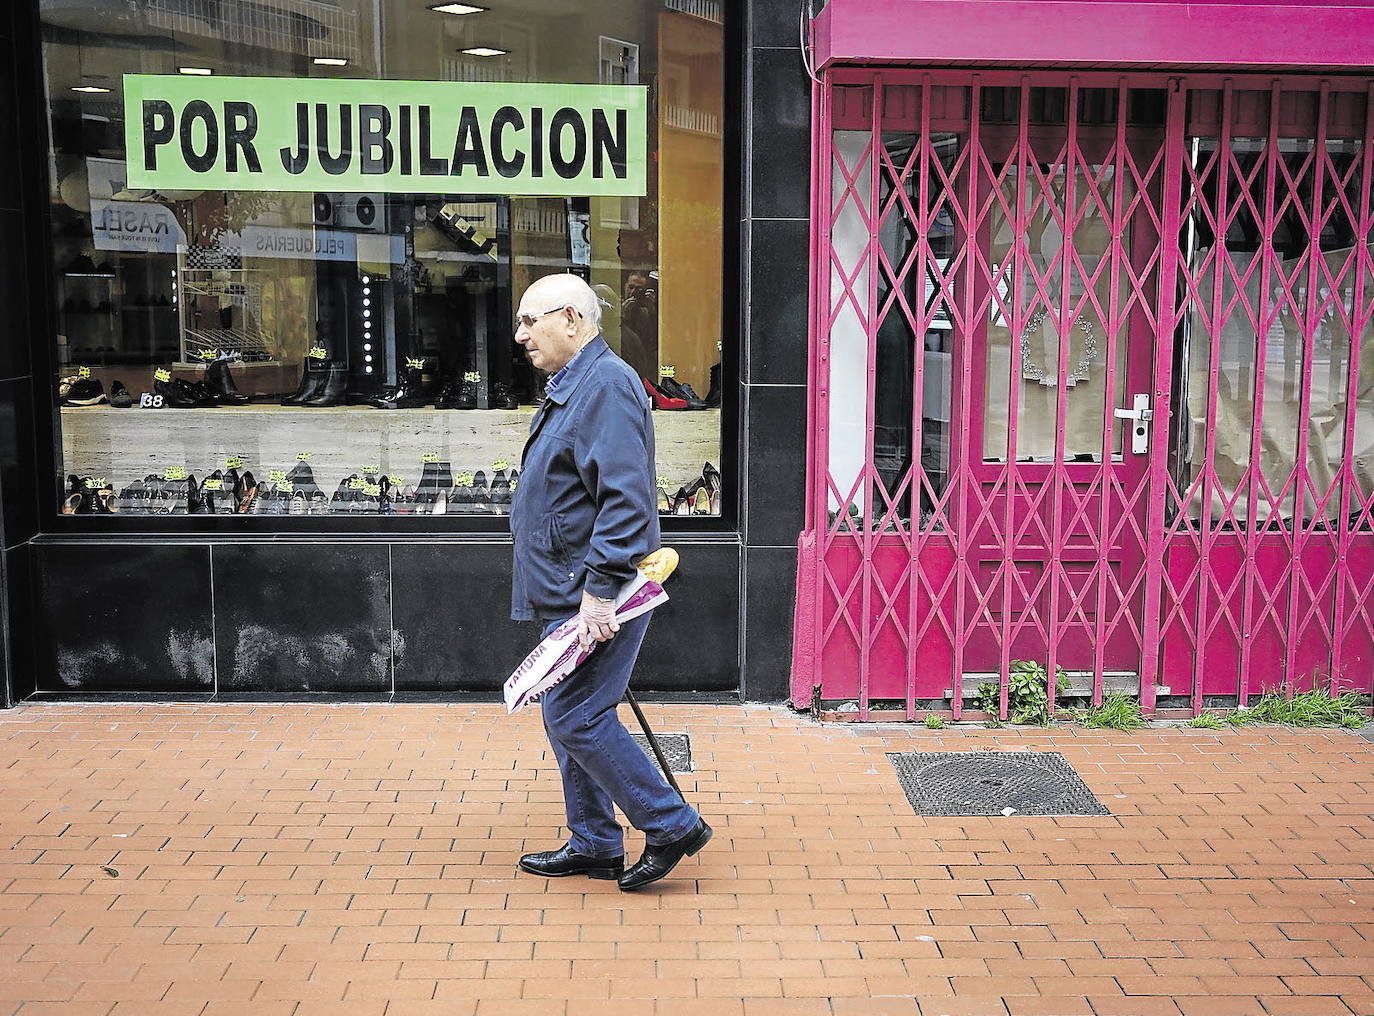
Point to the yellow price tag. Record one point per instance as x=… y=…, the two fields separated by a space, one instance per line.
x=212 y=485
x=372 y=489
x=430 y=457
x=666 y=371
x=174 y=473
x=83 y=372
x=302 y=456
x=163 y=374
x=397 y=481
x=318 y=353
x=500 y=464
x=356 y=484
x=276 y=475
x=370 y=469
x=414 y=364
x=233 y=462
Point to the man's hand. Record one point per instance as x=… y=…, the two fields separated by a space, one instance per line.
x=596 y=620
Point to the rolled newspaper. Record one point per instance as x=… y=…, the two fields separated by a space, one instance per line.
x=561 y=652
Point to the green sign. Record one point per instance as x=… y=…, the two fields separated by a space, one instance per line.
x=395 y=137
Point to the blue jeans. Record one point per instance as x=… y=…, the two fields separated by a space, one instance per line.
x=601 y=764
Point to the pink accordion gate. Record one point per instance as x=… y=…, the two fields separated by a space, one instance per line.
x=1092 y=377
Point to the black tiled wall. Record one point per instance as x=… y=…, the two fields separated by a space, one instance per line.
x=21 y=198
x=775 y=228
x=319 y=616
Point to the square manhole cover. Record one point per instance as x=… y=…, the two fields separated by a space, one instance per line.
x=677 y=749
x=990 y=782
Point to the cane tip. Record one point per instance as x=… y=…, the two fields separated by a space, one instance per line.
x=659 y=565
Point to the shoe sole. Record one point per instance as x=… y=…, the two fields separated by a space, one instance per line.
x=693 y=848
x=605 y=874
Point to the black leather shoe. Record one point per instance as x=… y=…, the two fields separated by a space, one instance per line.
x=658 y=861
x=566 y=861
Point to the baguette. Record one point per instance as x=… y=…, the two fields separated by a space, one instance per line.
x=659 y=565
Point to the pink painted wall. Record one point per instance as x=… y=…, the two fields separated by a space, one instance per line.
x=1258 y=33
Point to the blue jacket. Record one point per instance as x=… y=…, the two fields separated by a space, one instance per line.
x=583 y=512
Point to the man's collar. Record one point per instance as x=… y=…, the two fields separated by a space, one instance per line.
x=571 y=374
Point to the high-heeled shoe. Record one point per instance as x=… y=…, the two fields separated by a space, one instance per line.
x=701 y=503
x=210 y=490
x=665 y=501
x=247 y=492
x=682 y=502
x=659 y=400
x=710 y=475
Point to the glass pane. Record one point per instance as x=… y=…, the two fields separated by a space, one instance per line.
x=354 y=352
x=851 y=197
x=1293 y=314
x=924 y=305
x=1040 y=300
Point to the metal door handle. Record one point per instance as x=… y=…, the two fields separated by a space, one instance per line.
x=1140 y=414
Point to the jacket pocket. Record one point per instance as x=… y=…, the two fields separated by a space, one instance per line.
x=558 y=545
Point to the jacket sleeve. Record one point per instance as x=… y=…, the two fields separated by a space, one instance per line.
x=611 y=450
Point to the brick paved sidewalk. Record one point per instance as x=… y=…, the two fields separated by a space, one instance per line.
x=359 y=860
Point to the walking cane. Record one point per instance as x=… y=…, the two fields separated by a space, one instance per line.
x=653 y=742
x=657 y=566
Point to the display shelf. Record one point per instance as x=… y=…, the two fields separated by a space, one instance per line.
x=128 y=444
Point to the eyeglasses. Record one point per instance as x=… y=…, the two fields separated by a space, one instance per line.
x=528 y=320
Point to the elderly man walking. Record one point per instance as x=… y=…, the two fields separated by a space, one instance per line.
x=583 y=514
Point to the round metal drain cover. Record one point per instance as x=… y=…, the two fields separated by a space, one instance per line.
x=993 y=783
x=999 y=781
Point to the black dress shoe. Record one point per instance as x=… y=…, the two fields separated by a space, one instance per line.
x=658 y=861
x=566 y=861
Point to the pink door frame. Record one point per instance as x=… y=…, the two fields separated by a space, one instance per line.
x=888 y=608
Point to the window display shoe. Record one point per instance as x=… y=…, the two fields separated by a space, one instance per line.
x=565 y=861
x=500 y=491
x=682 y=501
x=119 y=395
x=302 y=477
x=297 y=502
x=175 y=393
x=405 y=395
x=459 y=393
x=500 y=397
x=214 y=499
x=318 y=506
x=221 y=385
x=86 y=391
x=312 y=381
x=333 y=391
x=247 y=490
x=673 y=389
x=713 y=392
x=659 y=400
x=481 y=493
x=710 y=475
x=658 y=861
x=71 y=504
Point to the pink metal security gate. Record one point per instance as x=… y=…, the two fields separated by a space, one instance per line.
x=1092 y=385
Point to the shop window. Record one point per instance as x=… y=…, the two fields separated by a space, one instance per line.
x=336 y=352
x=1256 y=300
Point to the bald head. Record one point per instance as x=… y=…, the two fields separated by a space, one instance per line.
x=567 y=291
x=556 y=317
